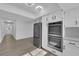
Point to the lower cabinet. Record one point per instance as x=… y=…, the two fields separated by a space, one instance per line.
x=71 y=48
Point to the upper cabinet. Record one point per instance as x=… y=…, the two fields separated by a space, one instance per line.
x=71 y=18
x=53 y=17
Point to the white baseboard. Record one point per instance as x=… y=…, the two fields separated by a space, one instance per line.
x=22 y=38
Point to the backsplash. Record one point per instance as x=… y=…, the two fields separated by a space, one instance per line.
x=72 y=32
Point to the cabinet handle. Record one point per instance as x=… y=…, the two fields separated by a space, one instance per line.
x=64 y=47
x=72 y=43
x=76 y=22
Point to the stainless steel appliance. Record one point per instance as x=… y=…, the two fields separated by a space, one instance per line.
x=37 y=35
x=55 y=38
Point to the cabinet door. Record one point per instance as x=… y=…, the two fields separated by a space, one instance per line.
x=76 y=13
x=69 y=19
x=77 y=19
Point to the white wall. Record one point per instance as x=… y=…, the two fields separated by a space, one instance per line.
x=23 y=29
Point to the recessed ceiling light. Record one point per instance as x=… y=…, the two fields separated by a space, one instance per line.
x=39 y=8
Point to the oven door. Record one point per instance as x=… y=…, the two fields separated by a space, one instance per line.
x=55 y=42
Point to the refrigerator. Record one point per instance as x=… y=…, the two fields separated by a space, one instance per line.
x=37 y=35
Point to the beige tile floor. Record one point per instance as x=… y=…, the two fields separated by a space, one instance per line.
x=10 y=47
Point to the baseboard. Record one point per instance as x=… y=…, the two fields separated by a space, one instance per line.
x=24 y=38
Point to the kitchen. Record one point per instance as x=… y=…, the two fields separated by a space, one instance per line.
x=50 y=26
x=61 y=29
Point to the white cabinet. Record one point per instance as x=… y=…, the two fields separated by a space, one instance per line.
x=71 y=48
x=71 y=18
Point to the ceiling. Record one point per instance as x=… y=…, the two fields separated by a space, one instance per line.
x=30 y=12
x=4 y=15
x=67 y=6
x=23 y=6
x=22 y=9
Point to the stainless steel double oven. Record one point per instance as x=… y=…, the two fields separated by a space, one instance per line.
x=55 y=37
